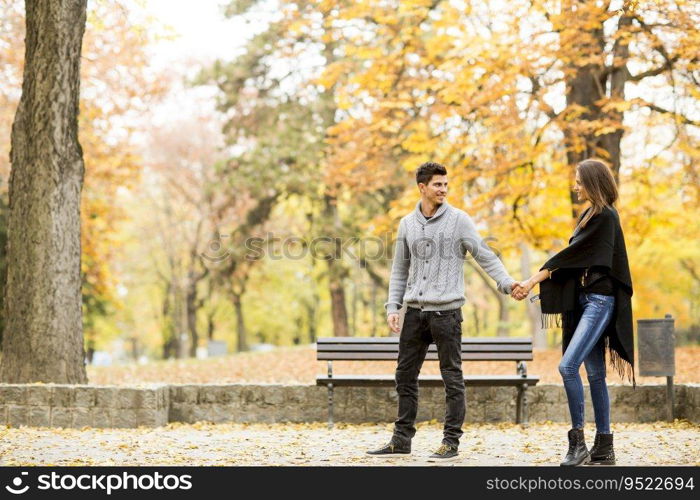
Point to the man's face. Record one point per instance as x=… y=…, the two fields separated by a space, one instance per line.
x=435 y=190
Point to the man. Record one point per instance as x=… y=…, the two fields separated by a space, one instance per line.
x=427 y=273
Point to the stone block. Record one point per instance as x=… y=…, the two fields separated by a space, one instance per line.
x=181 y=412
x=63 y=396
x=39 y=416
x=163 y=397
x=61 y=417
x=128 y=398
x=623 y=413
x=39 y=395
x=82 y=417
x=106 y=397
x=495 y=412
x=647 y=413
x=150 y=417
x=14 y=394
x=224 y=394
x=85 y=397
x=101 y=417
x=146 y=398
x=17 y=415
x=186 y=394
x=273 y=395
x=125 y=418
x=207 y=394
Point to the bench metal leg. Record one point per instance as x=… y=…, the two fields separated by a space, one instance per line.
x=330 y=406
x=330 y=395
x=521 y=408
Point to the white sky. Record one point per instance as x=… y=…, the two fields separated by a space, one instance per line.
x=204 y=32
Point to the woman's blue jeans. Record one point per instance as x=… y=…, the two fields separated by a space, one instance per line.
x=597 y=310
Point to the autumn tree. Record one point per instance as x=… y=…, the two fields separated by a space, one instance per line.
x=280 y=122
x=512 y=98
x=117 y=86
x=43 y=340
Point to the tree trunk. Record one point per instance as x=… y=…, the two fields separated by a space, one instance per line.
x=311 y=309
x=583 y=89
x=210 y=325
x=618 y=78
x=353 y=307
x=336 y=270
x=589 y=84
x=240 y=323
x=373 y=302
x=43 y=338
x=338 y=309
x=170 y=338
x=191 y=312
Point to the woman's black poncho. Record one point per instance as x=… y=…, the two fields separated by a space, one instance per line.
x=600 y=243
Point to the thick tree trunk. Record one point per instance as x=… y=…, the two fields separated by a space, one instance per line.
x=589 y=84
x=584 y=86
x=43 y=338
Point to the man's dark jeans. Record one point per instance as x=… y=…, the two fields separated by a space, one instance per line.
x=420 y=329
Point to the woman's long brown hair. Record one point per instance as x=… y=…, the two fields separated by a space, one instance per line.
x=598 y=181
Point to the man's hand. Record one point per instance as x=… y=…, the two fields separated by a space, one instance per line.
x=520 y=289
x=393 y=320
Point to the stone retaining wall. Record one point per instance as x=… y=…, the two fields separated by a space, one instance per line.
x=83 y=405
x=152 y=406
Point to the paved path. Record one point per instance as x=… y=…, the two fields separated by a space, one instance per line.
x=314 y=444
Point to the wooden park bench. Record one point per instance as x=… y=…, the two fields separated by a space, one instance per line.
x=518 y=349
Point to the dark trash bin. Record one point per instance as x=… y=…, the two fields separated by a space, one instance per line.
x=656 y=342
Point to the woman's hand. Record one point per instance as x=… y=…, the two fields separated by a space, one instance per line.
x=521 y=289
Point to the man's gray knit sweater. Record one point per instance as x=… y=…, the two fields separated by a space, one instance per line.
x=428 y=267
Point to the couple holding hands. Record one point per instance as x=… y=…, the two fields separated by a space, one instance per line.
x=585 y=289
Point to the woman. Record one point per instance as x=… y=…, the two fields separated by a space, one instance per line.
x=586 y=289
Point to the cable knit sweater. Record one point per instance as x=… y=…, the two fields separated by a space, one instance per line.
x=428 y=267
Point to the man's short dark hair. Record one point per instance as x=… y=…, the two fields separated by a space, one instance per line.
x=426 y=171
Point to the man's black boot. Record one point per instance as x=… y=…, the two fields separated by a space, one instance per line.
x=578 y=453
x=602 y=452
x=392 y=449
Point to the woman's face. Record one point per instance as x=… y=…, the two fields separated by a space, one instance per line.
x=579 y=189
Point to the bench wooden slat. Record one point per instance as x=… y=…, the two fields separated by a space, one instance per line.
x=395 y=340
x=427 y=380
x=431 y=348
x=430 y=356
x=387 y=349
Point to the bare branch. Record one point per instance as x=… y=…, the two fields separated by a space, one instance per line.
x=682 y=118
x=667 y=66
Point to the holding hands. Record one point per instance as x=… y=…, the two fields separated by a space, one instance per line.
x=521 y=289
